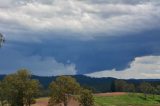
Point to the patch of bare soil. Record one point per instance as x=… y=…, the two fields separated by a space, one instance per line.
x=72 y=102
x=41 y=103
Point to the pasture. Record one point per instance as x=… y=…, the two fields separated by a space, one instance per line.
x=115 y=99
x=127 y=100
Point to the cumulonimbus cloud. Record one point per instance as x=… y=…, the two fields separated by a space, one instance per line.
x=140 y=68
x=38 y=65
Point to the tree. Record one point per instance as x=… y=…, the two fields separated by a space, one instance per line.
x=113 y=86
x=145 y=88
x=120 y=85
x=62 y=89
x=153 y=91
x=130 y=88
x=20 y=88
x=2 y=40
x=158 y=89
x=86 y=98
x=11 y=90
x=32 y=91
x=2 y=94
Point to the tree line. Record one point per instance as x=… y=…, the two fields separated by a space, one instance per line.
x=19 y=89
x=144 y=87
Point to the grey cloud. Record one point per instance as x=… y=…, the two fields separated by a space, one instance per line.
x=87 y=19
x=132 y=2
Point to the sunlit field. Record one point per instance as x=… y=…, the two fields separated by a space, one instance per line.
x=117 y=100
x=127 y=100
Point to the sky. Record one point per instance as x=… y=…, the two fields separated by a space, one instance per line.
x=97 y=38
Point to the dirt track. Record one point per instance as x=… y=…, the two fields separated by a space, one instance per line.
x=72 y=102
x=42 y=102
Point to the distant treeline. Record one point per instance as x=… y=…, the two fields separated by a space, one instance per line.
x=21 y=88
x=96 y=84
x=99 y=85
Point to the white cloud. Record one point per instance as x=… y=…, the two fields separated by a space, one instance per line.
x=140 y=68
x=79 y=16
x=38 y=65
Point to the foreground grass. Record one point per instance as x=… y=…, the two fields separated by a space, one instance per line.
x=127 y=100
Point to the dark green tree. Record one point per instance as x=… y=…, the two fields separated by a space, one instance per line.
x=130 y=88
x=113 y=86
x=145 y=88
x=120 y=85
x=158 y=89
x=153 y=91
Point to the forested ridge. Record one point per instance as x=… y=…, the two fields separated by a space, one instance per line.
x=96 y=84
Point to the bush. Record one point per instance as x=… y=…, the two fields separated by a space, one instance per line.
x=86 y=98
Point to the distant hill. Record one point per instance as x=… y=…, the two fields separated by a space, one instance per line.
x=96 y=84
x=1 y=77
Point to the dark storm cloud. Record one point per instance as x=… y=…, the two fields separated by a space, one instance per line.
x=87 y=56
x=52 y=37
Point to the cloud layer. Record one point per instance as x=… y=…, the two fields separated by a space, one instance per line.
x=54 y=37
x=140 y=68
x=85 y=18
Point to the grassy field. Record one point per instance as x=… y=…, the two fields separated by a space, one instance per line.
x=117 y=100
x=127 y=100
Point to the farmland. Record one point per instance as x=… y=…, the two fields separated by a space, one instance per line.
x=127 y=100
x=19 y=89
x=115 y=99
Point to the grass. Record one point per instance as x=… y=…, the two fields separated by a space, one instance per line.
x=127 y=100
x=122 y=100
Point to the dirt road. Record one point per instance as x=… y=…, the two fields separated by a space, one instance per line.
x=44 y=102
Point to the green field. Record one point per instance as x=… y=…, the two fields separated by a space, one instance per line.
x=127 y=100
x=122 y=100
